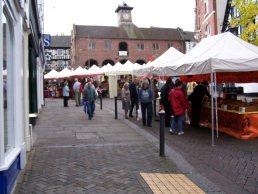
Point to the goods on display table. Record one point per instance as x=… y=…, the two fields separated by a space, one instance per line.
x=236 y=118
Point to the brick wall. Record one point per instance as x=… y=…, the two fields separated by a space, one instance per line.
x=206 y=18
x=80 y=52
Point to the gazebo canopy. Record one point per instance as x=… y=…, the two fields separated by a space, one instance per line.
x=53 y=74
x=65 y=73
x=221 y=53
x=94 y=70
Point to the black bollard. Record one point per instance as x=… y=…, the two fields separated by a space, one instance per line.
x=115 y=107
x=100 y=100
x=162 y=133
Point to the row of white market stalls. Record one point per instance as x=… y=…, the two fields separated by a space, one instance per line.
x=223 y=58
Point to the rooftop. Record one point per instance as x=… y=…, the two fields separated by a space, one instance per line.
x=60 y=41
x=130 y=31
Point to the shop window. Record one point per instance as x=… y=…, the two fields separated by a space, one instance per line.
x=6 y=80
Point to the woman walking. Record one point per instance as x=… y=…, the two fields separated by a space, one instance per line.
x=125 y=93
x=146 y=97
x=178 y=105
x=66 y=91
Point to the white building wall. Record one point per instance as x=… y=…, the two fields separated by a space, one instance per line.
x=15 y=85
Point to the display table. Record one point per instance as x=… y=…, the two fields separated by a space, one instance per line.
x=234 y=123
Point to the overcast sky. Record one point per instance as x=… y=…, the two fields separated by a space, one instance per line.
x=60 y=15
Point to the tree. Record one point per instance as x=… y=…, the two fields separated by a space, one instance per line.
x=247 y=17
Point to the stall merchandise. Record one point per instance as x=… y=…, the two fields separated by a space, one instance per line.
x=241 y=125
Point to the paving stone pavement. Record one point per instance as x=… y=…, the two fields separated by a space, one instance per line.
x=232 y=164
x=104 y=155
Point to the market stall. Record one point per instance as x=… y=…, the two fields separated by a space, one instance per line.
x=171 y=55
x=223 y=57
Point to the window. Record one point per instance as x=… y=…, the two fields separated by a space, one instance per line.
x=7 y=56
x=60 y=63
x=108 y=45
x=140 y=46
x=155 y=46
x=59 y=52
x=206 y=6
x=208 y=30
x=170 y=44
x=91 y=45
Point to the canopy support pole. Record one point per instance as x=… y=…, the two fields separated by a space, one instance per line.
x=212 y=111
x=216 y=104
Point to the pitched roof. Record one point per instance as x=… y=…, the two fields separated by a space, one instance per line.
x=129 y=31
x=60 y=41
x=189 y=36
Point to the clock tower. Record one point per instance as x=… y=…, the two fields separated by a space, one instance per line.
x=124 y=14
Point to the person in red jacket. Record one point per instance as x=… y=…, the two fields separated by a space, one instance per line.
x=179 y=105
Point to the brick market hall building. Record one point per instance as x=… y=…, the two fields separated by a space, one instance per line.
x=100 y=45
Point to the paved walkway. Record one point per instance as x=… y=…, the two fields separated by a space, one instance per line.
x=104 y=155
x=232 y=164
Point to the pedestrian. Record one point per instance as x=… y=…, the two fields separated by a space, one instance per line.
x=66 y=91
x=179 y=106
x=134 y=94
x=89 y=97
x=196 y=98
x=169 y=85
x=125 y=94
x=77 y=92
x=146 y=97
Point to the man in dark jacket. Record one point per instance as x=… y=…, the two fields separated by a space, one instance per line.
x=133 y=87
x=169 y=85
x=196 y=98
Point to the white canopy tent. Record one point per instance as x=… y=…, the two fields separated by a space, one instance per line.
x=65 y=73
x=79 y=72
x=170 y=56
x=106 y=68
x=126 y=69
x=94 y=70
x=221 y=53
x=53 y=74
x=118 y=66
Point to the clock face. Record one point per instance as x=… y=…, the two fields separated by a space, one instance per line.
x=126 y=16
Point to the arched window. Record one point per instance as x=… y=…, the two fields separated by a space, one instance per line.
x=123 y=46
x=123 y=61
x=208 y=30
x=108 y=61
x=141 y=62
x=90 y=62
x=123 y=49
x=206 y=6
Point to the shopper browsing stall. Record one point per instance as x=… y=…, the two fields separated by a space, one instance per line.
x=196 y=98
x=66 y=91
x=169 y=85
x=179 y=106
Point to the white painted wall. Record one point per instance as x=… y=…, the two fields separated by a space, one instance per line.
x=221 y=8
